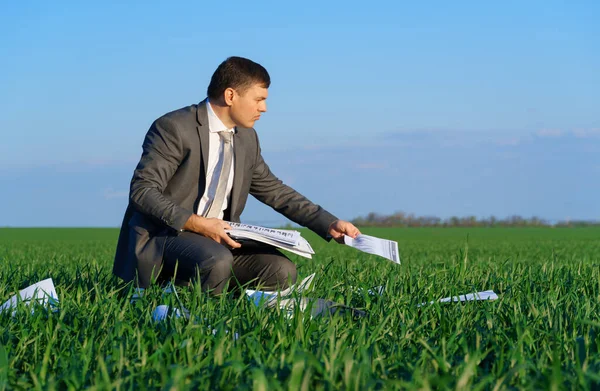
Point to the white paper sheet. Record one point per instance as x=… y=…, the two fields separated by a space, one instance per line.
x=375 y=291
x=372 y=245
x=258 y=296
x=485 y=295
x=162 y=312
x=282 y=299
x=42 y=292
x=139 y=293
x=317 y=307
x=269 y=298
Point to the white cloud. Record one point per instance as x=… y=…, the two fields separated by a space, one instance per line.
x=509 y=142
x=549 y=133
x=587 y=133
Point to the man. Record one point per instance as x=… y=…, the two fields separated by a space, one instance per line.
x=198 y=165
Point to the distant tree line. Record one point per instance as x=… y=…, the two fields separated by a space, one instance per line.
x=401 y=219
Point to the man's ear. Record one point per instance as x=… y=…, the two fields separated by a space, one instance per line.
x=228 y=95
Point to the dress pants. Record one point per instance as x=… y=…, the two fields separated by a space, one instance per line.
x=217 y=266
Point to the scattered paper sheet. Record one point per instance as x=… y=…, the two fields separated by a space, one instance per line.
x=162 y=312
x=304 y=285
x=375 y=291
x=372 y=245
x=485 y=295
x=42 y=292
x=317 y=307
x=138 y=293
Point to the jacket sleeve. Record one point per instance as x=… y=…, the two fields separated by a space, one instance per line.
x=270 y=190
x=162 y=153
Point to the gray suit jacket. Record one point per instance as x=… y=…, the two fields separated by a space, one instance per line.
x=170 y=179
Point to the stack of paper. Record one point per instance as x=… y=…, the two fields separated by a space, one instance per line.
x=284 y=239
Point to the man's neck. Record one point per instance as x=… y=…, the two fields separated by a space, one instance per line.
x=222 y=111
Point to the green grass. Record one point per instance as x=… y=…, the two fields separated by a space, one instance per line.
x=542 y=333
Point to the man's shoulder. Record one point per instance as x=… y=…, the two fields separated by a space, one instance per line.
x=180 y=116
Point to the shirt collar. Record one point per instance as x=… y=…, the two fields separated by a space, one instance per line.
x=214 y=123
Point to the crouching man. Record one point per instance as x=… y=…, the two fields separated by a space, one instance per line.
x=197 y=168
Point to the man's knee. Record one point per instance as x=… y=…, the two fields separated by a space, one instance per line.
x=216 y=271
x=287 y=274
x=218 y=264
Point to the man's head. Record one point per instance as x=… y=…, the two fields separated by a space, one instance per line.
x=239 y=90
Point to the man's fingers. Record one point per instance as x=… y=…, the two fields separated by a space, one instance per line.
x=337 y=234
x=232 y=243
x=351 y=230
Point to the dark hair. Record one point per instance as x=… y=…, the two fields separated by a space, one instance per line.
x=238 y=73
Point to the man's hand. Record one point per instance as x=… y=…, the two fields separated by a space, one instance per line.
x=339 y=228
x=211 y=228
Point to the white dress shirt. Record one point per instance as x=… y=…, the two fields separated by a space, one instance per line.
x=215 y=162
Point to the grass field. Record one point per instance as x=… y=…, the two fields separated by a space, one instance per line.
x=542 y=333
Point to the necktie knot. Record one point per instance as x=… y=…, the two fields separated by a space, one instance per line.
x=226 y=136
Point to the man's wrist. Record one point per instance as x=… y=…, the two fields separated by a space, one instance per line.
x=193 y=223
x=331 y=225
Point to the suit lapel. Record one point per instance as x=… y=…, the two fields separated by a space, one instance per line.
x=202 y=118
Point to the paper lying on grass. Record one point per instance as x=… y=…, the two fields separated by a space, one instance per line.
x=258 y=296
x=42 y=292
x=317 y=307
x=374 y=291
x=485 y=295
x=372 y=245
x=269 y=298
x=139 y=293
x=162 y=312
x=283 y=300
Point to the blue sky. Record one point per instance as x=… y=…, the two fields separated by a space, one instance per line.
x=435 y=108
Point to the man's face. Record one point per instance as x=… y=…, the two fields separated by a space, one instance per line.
x=247 y=107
